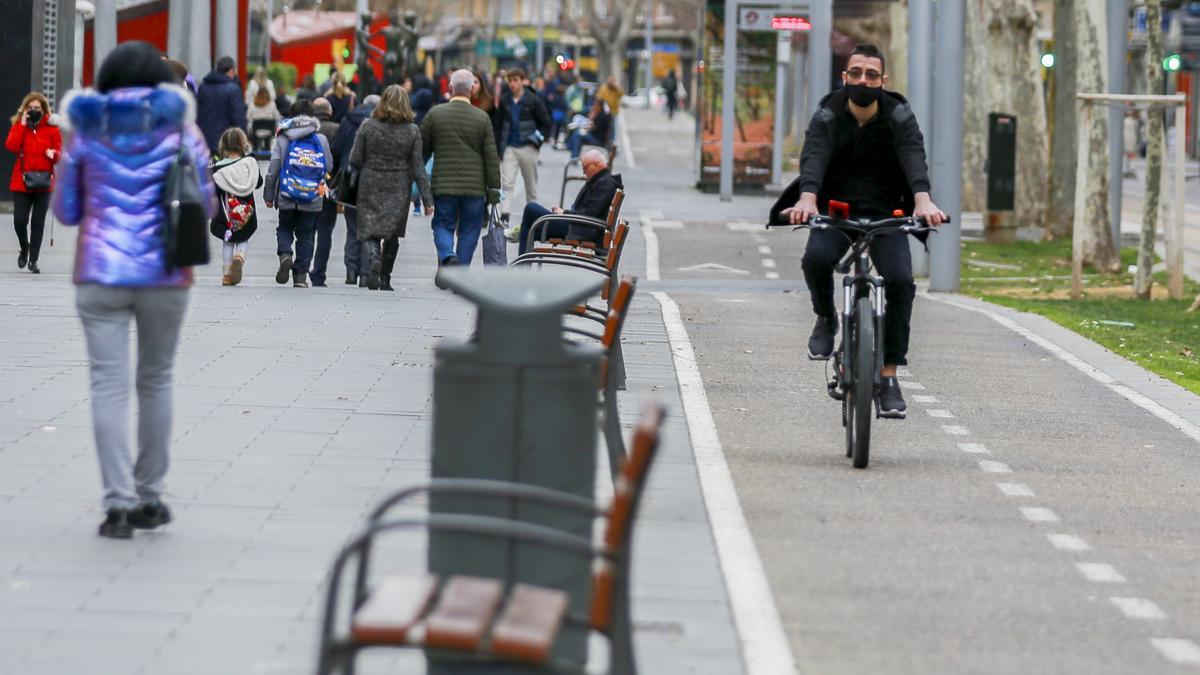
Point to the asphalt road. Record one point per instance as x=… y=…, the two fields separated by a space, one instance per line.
x=1024 y=519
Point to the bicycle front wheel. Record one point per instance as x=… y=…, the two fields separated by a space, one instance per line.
x=864 y=382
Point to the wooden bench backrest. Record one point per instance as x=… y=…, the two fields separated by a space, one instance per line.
x=613 y=259
x=618 y=310
x=614 y=209
x=627 y=495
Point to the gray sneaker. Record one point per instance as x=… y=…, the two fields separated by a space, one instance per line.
x=891 y=401
x=299 y=280
x=285 y=268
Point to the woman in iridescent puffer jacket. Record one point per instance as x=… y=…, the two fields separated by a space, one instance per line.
x=123 y=139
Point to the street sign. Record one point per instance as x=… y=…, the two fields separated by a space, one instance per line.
x=773 y=19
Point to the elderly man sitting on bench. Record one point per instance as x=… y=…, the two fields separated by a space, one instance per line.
x=593 y=201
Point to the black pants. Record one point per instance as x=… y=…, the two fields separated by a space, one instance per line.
x=25 y=203
x=326 y=219
x=892 y=260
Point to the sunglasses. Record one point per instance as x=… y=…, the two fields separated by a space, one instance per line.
x=858 y=74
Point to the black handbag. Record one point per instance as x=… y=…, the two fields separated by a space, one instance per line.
x=35 y=181
x=187 y=226
x=345 y=186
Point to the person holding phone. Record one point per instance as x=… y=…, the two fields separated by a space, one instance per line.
x=37 y=142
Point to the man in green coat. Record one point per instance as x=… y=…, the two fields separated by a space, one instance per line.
x=466 y=170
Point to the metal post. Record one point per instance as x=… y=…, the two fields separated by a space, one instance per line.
x=227 y=30
x=920 y=95
x=199 y=43
x=541 y=36
x=1175 y=227
x=1118 y=23
x=783 y=52
x=728 y=98
x=944 y=247
x=267 y=33
x=650 y=47
x=800 y=107
x=177 y=29
x=105 y=31
x=819 y=51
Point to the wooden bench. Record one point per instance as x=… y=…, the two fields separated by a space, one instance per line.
x=568 y=246
x=487 y=619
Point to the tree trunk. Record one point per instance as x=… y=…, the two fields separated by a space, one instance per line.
x=1144 y=280
x=609 y=59
x=1060 y=214
x=976 y=106
x=1099 y=250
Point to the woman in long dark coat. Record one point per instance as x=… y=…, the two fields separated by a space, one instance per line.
x=387 y=153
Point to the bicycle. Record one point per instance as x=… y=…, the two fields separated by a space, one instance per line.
x=861 y=347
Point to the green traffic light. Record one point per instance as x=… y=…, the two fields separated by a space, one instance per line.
x=1172 y=63
x=1048 y=60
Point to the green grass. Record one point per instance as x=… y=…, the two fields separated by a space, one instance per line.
x=1164 y=339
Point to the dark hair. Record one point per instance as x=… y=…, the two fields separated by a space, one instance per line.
x=226 y=64
x=302 y=106
x=180 y=69
x=133 y=64
x=514 y=73
x=872 y=52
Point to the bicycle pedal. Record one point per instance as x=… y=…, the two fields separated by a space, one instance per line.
x=834 y=392
x=814 y=357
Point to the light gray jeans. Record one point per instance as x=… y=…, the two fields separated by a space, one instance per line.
x=106 y=312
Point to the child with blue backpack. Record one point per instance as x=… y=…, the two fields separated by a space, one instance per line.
x=296 y=182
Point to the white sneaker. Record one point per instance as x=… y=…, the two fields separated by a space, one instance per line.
x=513 y=233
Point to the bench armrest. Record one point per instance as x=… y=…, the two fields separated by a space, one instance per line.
x=574 y=218
x=490 y=488
x=561 y=259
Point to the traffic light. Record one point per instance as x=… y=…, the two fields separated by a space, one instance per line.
x=1048 y=60
x=1172 y=63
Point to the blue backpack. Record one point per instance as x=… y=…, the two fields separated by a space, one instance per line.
x=303 y=169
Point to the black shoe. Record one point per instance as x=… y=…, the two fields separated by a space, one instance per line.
x=22 y=258
x=504 y=219
x=285 y=268
x=891 y=401
x=298 y=280
x=316 y=283
x=385 y=283
x=33 y=267
x=149 y=515
x=820 y=344
x=448 y=261
x=116 y=525
x=351 y=278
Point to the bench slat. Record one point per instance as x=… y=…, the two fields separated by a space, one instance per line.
x=463 y=613
x=529 y=624
x=393 y=609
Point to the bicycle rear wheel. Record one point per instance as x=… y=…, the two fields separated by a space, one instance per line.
x=864 y=382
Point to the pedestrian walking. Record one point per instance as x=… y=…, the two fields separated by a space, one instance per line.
x=611 y=93
x=263 y=108
x=466 y=171
x=219 y=102
x=236 y=175
x=340 y=96
x=121 y=265
x=670 y=87
x=327 y=220
x=259 y=82
x=295 y=184
x=308 y=89
x=388 y=154
x=352 y=254
x=596 y=129
x=524 y=125
x=36 y=141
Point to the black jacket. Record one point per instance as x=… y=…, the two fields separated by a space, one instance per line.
x=329 y=129
x=220 y=105
x=533 y=118
x=830 y=147
x=596 y=195
x=347 y=130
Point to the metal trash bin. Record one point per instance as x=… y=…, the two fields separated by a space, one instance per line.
x=517 y=403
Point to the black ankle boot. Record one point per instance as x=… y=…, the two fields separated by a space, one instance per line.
x=22 y=258
x=33 y=267
x=149 y=515
x=116 y=525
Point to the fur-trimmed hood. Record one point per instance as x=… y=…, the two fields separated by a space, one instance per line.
x=124 y=114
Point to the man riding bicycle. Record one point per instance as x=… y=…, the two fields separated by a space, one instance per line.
x=864 y=148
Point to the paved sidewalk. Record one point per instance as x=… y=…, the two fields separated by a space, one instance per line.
x=296 y=411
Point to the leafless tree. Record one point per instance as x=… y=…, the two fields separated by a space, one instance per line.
x=610 y=23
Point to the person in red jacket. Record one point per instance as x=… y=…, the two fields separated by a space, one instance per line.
x=37 y=142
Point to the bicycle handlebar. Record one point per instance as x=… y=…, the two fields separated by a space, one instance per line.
x=905 y=224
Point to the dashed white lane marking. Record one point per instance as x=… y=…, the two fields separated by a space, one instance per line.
x=742 y=226
x=1101 y=573
x=1177 y=650
x=764 y=250
x=765 y=647
x=989 y=466
x=1015 y=489
x=955 y=430
x=1068 y=542
x=668 y=224
x=1039 y=514
x=974 y=448
x=623 y=127
x=914 y=385
x=768 y=263
x=772 y=275
x=925 y=399
x=1138 y=608
x=938 y=412
x=651 y=249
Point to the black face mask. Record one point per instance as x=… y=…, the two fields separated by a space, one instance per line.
x=35 y=116
x=863 y=95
